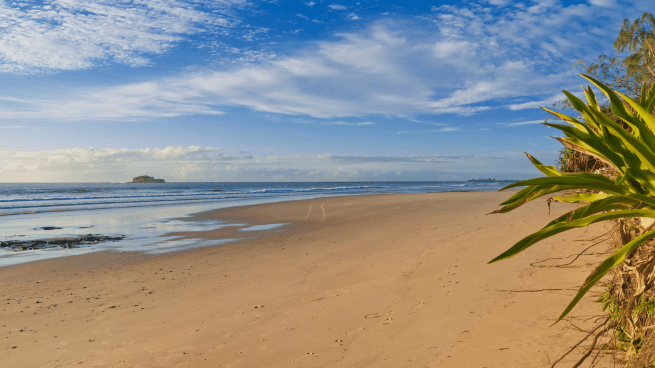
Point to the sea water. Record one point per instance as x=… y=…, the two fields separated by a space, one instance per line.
x=144 y=212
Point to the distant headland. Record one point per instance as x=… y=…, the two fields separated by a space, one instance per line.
x=147 y=179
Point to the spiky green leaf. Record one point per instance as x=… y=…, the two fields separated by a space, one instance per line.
x=557 y=228
x=606 y=266
x=575 y=122
x=580 y=198
x=573 y=182
x=591 y=98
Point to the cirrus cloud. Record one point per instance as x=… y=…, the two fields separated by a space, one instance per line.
x=78 y=34
x=454 y=60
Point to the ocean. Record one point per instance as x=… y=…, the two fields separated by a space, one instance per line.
x=140 y=214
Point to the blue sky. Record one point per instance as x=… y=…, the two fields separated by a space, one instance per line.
x=239 y=90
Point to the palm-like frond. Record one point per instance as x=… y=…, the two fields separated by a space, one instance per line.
x=630 y=151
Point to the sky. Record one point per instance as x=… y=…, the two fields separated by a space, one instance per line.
x=238 y=90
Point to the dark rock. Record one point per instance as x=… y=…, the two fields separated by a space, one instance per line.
x=48 y=228
x=81 y=240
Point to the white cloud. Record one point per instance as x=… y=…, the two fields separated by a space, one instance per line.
x=447 y=129
x=353 y=16
x=454 y=51
x=603 y=3
x=547 y=103
x=77 y=34
x=344 y=123
x=498 y=2
x=337 y=7
x=213 y=164
x=472 y=62
x=380 y=70
x=310 y=4
x=354 y=75
x=134 y=101
x=531 y=122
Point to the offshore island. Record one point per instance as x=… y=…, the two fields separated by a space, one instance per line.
x=146 y=179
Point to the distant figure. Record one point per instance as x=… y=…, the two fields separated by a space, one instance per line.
x=147 y=179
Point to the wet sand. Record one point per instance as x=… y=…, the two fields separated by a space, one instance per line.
x=362 y=281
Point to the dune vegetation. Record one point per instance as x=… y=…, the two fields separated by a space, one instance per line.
x=607 y=166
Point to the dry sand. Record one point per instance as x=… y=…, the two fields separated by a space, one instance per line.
x=363 y=281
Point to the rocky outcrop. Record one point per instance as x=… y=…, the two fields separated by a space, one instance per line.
x=147 y=179
x=68 y=243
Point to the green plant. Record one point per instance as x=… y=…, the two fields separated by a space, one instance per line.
x=624 y=339
x=628 y=338
x=629 y=151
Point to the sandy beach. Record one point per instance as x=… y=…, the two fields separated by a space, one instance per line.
x=395 y=280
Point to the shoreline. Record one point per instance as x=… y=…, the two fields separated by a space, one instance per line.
x=187 y=218
x=63 y=197
x=394 y=277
